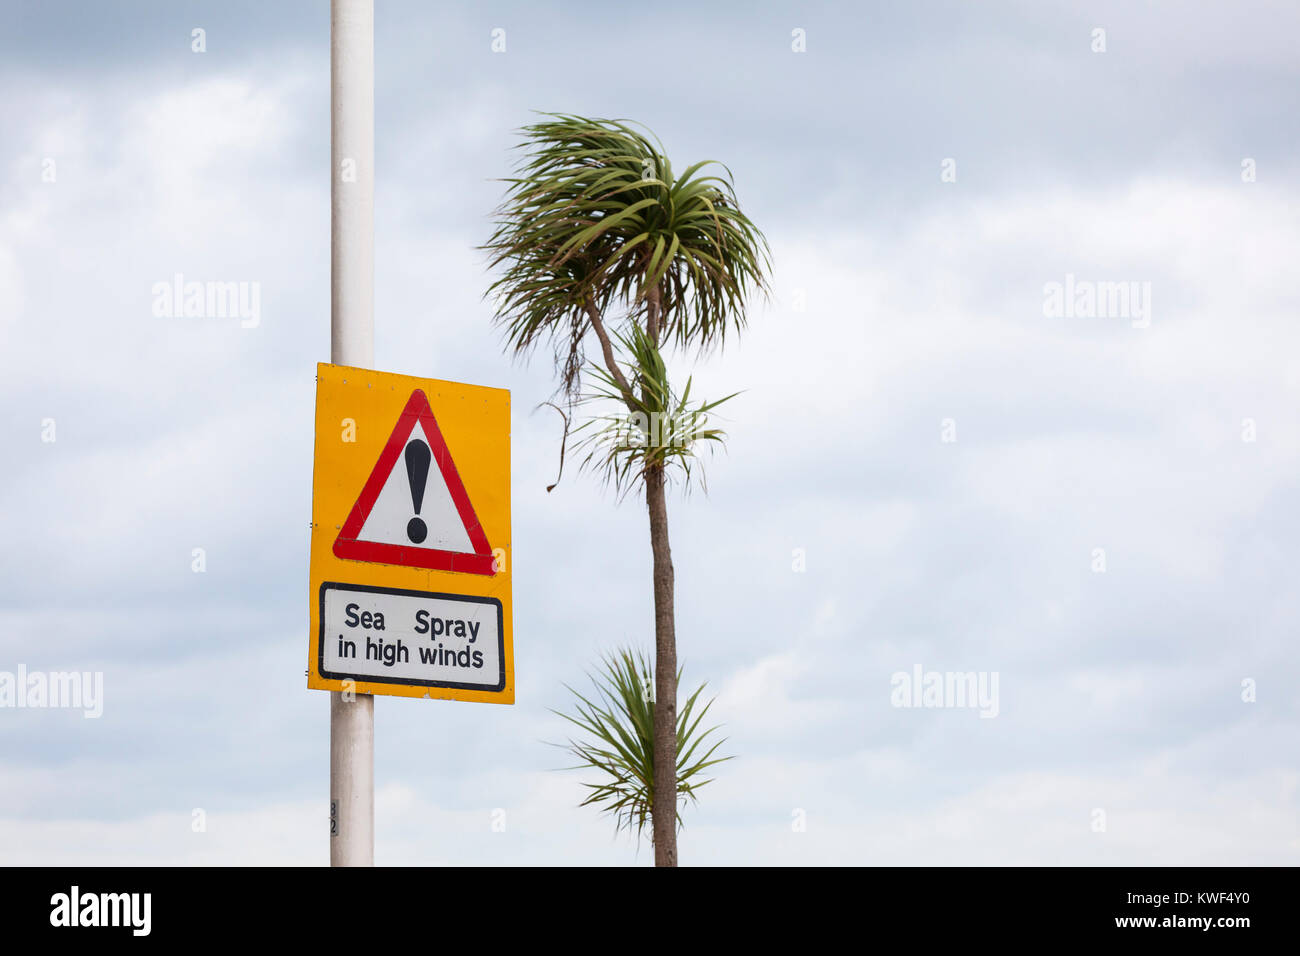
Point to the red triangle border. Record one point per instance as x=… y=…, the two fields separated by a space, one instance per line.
x=346 y=544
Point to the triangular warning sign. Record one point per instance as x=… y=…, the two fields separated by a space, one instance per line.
x=414 y=510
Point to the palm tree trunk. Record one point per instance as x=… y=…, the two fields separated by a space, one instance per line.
x=664 y=806
x=664 y=798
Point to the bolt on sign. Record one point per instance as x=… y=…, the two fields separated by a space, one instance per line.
x=410 y=538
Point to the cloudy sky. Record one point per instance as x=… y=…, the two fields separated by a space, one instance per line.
x=1100 y=510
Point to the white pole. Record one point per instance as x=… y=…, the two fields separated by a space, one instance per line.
x=352 y=342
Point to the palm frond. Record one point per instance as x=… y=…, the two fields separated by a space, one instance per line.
x=654 y=427
x=617 y=741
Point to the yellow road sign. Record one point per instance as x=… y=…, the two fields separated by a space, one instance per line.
x=410 y=539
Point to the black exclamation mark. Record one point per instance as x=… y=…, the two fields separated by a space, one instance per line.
x=418 y=457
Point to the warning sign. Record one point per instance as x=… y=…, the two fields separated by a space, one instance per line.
x=410 y=569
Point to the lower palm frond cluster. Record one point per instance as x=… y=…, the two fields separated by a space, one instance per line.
x=618 y=727
x=653 y=427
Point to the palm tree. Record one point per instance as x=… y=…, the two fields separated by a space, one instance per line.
x=595 y=234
